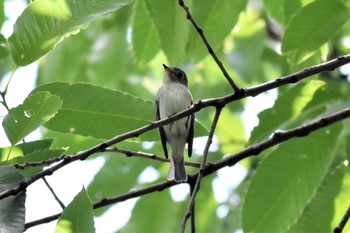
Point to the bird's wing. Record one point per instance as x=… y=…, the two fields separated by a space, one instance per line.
x=190 y=136
x=161 y=131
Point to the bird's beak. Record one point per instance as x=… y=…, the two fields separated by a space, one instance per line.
x=165 y=67
x=167 y=70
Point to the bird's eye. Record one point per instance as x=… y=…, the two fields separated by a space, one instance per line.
x=179 y=75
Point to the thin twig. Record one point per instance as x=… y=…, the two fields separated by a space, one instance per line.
x=220 y=101
x=206 y=43
x=193 y=213
x=202 y=169
x=147 y=156
x=343 y=222
x=53 y=193
x=253 y=150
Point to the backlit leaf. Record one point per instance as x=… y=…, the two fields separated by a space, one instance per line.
x=78 y=216
x=44 y=23
x=172 y=28
x=25 y=118
x=311 y=27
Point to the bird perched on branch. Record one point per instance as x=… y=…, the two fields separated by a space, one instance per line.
x=173 y=97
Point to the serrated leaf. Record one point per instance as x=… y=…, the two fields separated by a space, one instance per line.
x=78 y=216
x=95 y=111
x=312 y=26
x=34 y=112
x=106 y=112
x=172 y=28
x=44 y=23
x=145 y=41
x=286 y=180
x=12 y=209
x=39 y=145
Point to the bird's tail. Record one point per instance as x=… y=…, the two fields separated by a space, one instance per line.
x=177 y=170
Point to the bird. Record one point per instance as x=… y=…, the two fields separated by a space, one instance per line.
x=173 y=97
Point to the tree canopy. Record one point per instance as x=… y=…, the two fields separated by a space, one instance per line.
x=99 y=67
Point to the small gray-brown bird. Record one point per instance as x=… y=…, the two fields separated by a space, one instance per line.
x=173 y=97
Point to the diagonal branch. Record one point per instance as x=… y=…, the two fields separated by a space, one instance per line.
x=343 y=222
x=210 y=49
x=277 y=138
x=216 y=102
x=196 y=187
x=53 y=193
x=253 y=150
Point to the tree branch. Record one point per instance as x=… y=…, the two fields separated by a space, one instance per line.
x=53 y=193
x=216 y=102
x=39 y=163
x=210 y=50
x=343 y=222
x=253 y=150
x=277 y=138
x=196 y=187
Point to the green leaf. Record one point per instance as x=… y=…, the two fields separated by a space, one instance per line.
x=287 y=107
x=208 y=16
x=206 y=221
x=145 y=41
x=24 y=148
x=12 y=209
x=43 y=24
x=106 y=112
x=249 y=39
x=121 y=171
x=39 y=145
x=25 y=118
x=72 y=143
x=290 y=9
x=79 y=59
x=342 y=197
x=78 y=216
x=285 y=182
x=3 y=47
x=312 y=26
x=319 y=212
x=232 y=139
x=275 y=9
x=166 y=218
x=34 y=157
x=172 y=28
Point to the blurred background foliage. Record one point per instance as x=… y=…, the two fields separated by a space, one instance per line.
x=257 y=41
